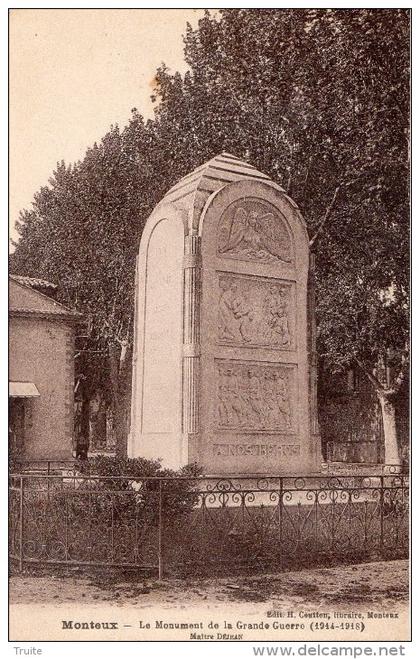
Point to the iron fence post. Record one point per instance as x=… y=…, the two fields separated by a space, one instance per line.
x=113 y=529
x=66 y=528
x=281 y=519
x=21 y=524
x=381 y=513
x=160 y=556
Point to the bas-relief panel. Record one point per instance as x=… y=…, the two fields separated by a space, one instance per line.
x=253 y=230
x=254 y=312
x=252 y=397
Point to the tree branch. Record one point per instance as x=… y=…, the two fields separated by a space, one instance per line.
x=326 y=216
x=330 y=209
x=401 y=375
x=374 y=380
x=381 y=388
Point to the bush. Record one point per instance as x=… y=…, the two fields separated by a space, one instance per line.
x=149 y=482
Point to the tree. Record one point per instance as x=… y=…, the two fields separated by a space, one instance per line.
x=316 y=98
x=83 y=233
x=319 y=100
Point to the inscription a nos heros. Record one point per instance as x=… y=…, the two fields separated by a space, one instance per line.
x=256 y=450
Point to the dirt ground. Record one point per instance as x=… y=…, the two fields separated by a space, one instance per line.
x=379 y=584
x=237 y=608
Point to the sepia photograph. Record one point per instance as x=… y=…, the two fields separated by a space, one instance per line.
x=209 y=325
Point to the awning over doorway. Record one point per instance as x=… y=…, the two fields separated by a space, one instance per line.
x=23 y=390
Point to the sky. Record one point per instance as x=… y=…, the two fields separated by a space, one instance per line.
x=73 y=73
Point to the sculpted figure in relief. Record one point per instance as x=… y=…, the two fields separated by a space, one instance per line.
x=275 y=307
x=223 y=403
x=253 y=398
x=255 y=236
x=254 y=313
x=231 y=408
x=235 y=313
x=282 y=398
x=270 y=403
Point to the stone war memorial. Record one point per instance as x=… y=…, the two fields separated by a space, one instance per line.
x=224 y=364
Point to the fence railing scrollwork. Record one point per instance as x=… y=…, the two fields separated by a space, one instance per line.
x=206 y=525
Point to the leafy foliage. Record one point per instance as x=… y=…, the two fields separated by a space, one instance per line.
x=316 y=98
x=83 y=233
x=150 y=485
x=319 y=100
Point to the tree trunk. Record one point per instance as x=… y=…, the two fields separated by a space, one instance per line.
x=392 y=456
x=120 y=378
x=98 y=423
x=120 y=428
x=85 y=418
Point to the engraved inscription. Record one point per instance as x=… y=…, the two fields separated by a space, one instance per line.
x=257 y=450
x=253 y=230
x=253 y=397
x=253 y=312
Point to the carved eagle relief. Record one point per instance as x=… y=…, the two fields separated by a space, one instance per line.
x=254 y=234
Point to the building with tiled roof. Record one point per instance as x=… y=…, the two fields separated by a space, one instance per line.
x=41 y=371
x=41 y=285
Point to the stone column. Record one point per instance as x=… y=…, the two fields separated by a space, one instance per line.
x=313 y=364
x=191 y=347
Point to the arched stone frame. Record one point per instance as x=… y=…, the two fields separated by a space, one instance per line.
x=158 y=350
x=212 y=352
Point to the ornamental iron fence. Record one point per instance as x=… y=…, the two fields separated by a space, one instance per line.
x=206 y=525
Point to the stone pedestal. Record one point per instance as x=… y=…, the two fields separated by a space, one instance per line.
x=224 y=370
